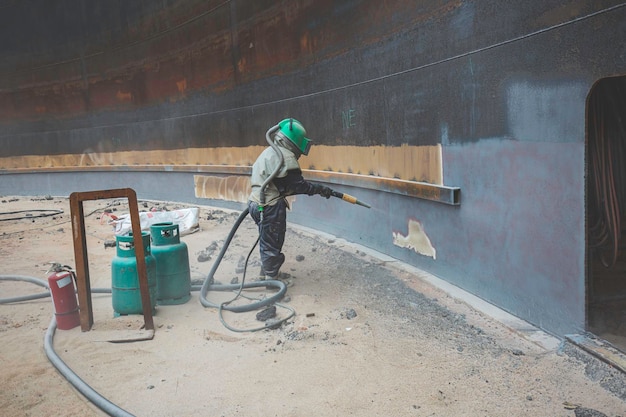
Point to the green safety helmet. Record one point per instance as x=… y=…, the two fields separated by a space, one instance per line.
x=295 y=132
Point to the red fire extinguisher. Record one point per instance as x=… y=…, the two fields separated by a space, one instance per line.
x=61 y=281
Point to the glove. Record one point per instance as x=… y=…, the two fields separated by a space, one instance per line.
x=325 y=191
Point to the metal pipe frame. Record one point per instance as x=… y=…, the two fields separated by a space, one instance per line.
x=80 y=253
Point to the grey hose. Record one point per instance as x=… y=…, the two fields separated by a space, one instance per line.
x=41 y=283
x=209 y=285
x=93 y=396
x=24 y=298
x=97 y=399
x=24 y=278
x=209 y=281
x=268 y=137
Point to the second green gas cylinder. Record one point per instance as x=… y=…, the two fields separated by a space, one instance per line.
x=172 y=260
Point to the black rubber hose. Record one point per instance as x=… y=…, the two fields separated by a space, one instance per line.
x=44 y=213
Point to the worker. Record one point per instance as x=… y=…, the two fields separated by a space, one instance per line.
x=270 y=212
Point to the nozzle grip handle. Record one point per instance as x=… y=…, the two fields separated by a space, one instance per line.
x=349 y=198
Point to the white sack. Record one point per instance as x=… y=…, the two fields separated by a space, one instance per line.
x=186 y=219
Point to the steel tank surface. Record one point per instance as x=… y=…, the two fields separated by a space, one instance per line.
x=172 y=260
x=125 y=291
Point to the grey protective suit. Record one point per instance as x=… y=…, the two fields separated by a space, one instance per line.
x=272 y=223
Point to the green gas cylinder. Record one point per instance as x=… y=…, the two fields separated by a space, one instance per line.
x=172 y=259
x=125 y=290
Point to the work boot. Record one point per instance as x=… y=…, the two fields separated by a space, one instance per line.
x=283 y=277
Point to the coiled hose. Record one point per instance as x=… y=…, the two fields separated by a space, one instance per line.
x=209 y=284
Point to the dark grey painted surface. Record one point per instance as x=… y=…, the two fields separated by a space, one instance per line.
x=166 y=186
x=431 y=63
x=506 y=101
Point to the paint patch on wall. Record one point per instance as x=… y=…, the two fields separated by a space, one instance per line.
x=230 y=188
x=413 y=171
x=410 y=163
x=416 y=240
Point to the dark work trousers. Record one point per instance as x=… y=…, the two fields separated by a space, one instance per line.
x=272 y=234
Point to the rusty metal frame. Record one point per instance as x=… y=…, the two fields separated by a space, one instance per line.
x=80 y=253
x=433 y=192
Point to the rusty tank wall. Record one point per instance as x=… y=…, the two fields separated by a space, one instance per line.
x=462 y=123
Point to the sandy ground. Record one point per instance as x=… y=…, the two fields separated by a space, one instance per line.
x=370 y=337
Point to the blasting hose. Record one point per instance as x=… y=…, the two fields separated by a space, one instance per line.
x=209 y=281
x=89 y=393
x=209 y=285
x=268 y=138
x=24 y=278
